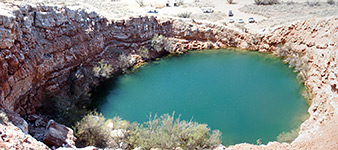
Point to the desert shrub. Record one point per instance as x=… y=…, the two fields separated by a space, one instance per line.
x=313 y=3
x=331 y=2
x=160 y=43
x=143 y=52
x=288 y=137
x=3 y=118
x=140 y=2
x=230 y=1
x=184 y=15
x=92 y=131
x=163 y=132
x=125 y=61
x=266 y=2
x=169 y=133
x=102 y=69
x=180 y=2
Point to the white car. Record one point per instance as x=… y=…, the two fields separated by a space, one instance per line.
x=251 y=20
x=231 y=20
x=240 y=20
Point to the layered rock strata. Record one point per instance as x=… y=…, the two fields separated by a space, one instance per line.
x=41 y=47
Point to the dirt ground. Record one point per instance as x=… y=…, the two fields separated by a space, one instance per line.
x=266 y=17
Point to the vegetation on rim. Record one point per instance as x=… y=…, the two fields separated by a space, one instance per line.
x=103 y=69
x=161 y=43
x=184 y=15
x=159 y=132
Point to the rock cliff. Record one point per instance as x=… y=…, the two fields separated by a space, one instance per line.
x=42 y=46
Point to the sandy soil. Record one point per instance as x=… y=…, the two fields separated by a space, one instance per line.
x=266 y=17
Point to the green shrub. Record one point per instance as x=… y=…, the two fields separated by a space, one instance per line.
x=288 y=137
x=125 y=61
x=160 y=43
x=169 y=133
x=143 y=52
x=266 y=2
x=103 y=69
x=92 y=131
x=180 y=2
x=184 y=15
x=164 y=132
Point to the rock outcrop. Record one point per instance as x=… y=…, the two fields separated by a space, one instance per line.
x=41 y=46
x=59 y=135
x=13 y=134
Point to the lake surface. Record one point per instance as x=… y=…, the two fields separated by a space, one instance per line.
x=245 y=95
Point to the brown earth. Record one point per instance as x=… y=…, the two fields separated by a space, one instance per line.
x=41 y=47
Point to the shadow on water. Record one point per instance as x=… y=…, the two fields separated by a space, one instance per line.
x=99 y=94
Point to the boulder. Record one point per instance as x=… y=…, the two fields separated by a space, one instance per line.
x=59 y=135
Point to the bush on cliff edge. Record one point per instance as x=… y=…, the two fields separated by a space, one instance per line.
x=163 y=132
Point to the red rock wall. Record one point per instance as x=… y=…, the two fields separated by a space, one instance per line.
x=41 y=46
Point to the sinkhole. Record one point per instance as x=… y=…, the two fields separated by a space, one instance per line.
x=246 y=95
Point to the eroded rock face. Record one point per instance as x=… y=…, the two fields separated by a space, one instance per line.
x=59 y=135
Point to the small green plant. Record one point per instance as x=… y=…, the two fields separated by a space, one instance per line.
x=288 y=137
x=184 y=15
x=160 y=43
x=103 y=69
x=143 y=52
x=3 y=118
x=266 y=2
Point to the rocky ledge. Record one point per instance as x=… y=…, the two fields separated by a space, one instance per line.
x=44 y=49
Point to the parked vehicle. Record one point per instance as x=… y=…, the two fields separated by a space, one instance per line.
x=251 y=20
x=240 y=20
x=230 y=13
x=231 y=20
x=152 y=11
x=207 y=10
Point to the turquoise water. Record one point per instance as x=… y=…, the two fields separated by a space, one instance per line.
x=245 y=95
